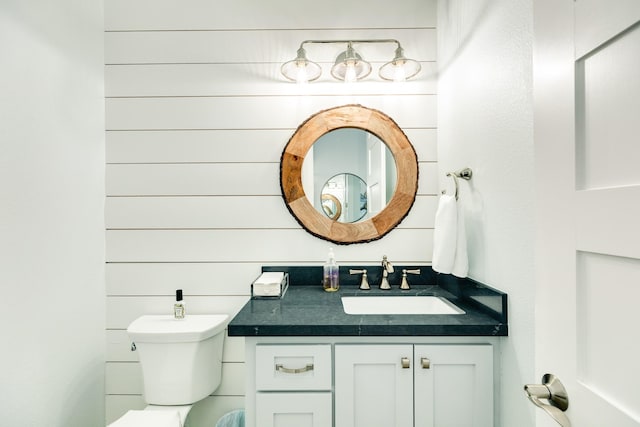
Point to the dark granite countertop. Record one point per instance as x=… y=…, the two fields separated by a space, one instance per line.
x=307 y=310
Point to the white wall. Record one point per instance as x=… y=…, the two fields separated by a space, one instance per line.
x=485 y=122
x=51 y=213
x=197 y=116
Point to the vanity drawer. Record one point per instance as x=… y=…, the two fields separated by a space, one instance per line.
x=293 y=367
x=308 y=409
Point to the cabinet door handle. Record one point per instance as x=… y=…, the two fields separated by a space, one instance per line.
x=405 y=362
x=307 y=368
x=425 y=362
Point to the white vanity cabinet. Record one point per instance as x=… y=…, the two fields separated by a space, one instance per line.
x=373 y=382
x=406 y=385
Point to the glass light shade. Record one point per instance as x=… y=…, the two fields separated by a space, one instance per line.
x=350 y=66
x=300 y=69
x=400 y=68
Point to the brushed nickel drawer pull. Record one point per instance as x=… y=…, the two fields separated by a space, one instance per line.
x=307 y=368
x=406 y=364
x=426 y=363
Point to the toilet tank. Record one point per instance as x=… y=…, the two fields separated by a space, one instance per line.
x=181 y=359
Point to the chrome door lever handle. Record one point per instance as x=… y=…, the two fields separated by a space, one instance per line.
x=554 y=392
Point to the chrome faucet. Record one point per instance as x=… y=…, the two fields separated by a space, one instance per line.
x=364 y=283
x=386 y=269
x=405 y=283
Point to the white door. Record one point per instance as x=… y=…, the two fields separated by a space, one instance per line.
x=587 y=137
x=376 y=176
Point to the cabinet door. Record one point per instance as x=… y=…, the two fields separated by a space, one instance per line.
x=293 y=409
x=372 y=387
x=454 y=386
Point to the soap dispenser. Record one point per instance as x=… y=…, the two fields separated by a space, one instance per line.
x=178 y=307
x=331 y=273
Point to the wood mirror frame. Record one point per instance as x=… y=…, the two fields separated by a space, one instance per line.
x=349 y=116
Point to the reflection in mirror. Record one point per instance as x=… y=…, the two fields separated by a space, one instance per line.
x=356 y=167
x=349 y=193
x=331 y=206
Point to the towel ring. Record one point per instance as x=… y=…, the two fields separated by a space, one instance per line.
x=465 y=174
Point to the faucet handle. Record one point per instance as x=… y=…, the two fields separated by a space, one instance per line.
x=386 y=264
x=364 y=283
x=405 y=284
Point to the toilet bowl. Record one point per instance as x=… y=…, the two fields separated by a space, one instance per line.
x=181 y=361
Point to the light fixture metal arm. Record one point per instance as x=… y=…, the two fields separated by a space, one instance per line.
x=353 y=41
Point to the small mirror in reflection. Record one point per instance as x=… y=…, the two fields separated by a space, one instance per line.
x=344 y=198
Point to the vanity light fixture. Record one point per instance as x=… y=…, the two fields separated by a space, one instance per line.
x=349 y=66
x=300 y=69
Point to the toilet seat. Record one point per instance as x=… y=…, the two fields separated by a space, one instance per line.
x=149 y=418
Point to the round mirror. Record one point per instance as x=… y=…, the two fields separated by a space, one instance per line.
x=344 y=198
x=389 y=180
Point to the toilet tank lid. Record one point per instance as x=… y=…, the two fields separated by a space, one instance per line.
x=165 y=328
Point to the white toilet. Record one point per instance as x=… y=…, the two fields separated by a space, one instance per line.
x=181 y=362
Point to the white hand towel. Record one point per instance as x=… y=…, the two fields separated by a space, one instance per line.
x=450 y=239
x=445 y=234
x=135 y=418
x=461 y=262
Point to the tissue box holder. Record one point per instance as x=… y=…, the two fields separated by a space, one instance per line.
x=269 y=290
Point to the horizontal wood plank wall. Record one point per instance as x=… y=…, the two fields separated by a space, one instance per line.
x=197 y=116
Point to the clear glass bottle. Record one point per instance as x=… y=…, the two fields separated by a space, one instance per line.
x=331 y=273
x=178 y=307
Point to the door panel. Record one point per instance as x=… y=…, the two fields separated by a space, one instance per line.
x=593 y=30
x=606 y=359
x=587 y=99
x=607 y=109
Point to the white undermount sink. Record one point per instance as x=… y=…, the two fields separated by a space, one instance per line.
x=398 y=305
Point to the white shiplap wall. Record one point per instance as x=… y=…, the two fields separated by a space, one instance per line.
x=197 y=116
